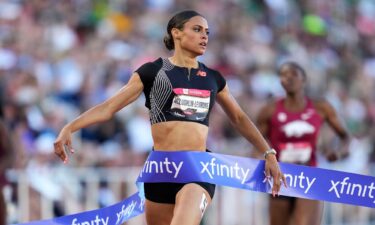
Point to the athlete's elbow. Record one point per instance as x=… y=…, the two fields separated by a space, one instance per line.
x=105 y=112
x=107 y=116
x=238 y=118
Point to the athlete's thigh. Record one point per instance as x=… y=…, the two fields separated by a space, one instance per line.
x=280 y=210
x=307 y=212
x=191 y=203
x=158 y=213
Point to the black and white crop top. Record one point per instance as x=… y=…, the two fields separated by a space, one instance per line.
x=173 y=93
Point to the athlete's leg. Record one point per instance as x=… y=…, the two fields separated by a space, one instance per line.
x=307 y=212
x=191 y=202
x=280 y=209
x=158 y=213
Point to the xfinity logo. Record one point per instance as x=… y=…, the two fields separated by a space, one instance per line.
x=126 y=211
x=344 y=187
x=165 y=166
x=212 y=169
x=296 y=181
x=96 y=221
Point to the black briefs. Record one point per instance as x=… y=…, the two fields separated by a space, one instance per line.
x=166 y=192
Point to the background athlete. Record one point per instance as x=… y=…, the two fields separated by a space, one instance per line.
x=292 y=126
x=170 y=86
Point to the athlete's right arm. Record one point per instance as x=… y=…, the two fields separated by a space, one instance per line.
x=99 y=113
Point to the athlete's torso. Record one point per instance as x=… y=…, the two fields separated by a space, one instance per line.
x=294 y=134
x=179 y=103
x=174 y=93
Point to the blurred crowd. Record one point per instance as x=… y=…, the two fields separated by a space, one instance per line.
x=60 y=57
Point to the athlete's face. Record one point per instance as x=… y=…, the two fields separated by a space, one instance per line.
x=292 y=79
x=194 y=35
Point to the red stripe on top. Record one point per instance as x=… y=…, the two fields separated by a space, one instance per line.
x=192 y=92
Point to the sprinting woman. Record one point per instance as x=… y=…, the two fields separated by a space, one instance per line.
x=180 y=93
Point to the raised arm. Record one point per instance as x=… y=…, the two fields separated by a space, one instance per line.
x=99 y=113
x=246 y=127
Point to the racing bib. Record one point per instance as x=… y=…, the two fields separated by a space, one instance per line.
x=192 y=104
x=299 y=152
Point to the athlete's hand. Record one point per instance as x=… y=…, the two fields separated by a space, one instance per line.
x=332 y=156
x=63 y=144
x=272 y=169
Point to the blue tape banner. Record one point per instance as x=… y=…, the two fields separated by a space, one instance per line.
x=232 y=171
x=246 y=173
x=113 y=215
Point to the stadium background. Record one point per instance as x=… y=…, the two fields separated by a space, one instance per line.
x=60 y=57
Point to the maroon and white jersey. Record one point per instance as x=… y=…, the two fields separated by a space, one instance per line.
x=294 y=134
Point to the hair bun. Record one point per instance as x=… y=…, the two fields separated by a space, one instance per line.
x=168 y=42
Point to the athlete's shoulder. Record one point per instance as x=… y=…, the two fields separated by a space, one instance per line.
x=276 y=100
x=318 y=102
x=209 y=69
x=148 y=71
x=149 y=66
x=220 y=80
x=268 y=109
x=271 y=104
x=322 y=106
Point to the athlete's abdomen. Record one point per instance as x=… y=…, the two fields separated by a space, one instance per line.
x=179 y=135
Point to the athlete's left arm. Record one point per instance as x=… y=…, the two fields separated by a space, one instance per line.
x=246 y=127
x=334 y=122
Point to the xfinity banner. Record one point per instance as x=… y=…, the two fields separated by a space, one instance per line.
x=231 y=171
x=246 y=173
x=113 y=215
